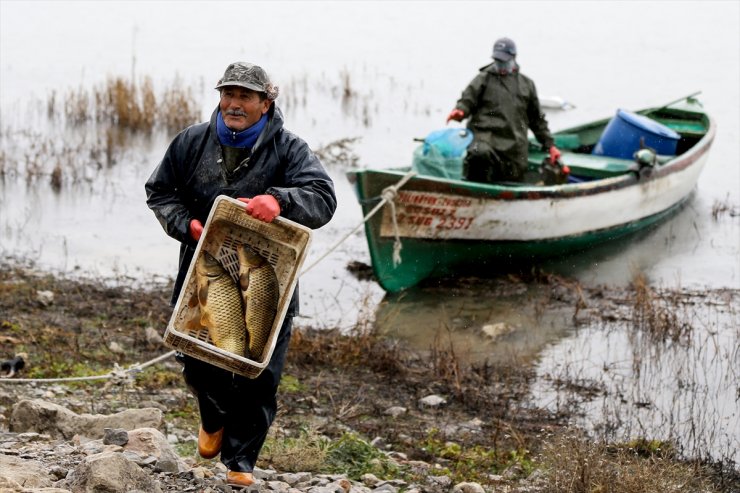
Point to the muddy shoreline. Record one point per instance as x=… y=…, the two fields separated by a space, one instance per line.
x=334 y=384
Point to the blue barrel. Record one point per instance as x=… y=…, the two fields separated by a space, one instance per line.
x=621 y=137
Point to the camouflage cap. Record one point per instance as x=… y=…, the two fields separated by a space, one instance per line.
x=249 y=76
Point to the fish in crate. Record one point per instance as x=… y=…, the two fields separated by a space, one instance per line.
x=238 y=316
x=260 y=292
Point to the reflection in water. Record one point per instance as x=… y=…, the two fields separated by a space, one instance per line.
x=499 y=319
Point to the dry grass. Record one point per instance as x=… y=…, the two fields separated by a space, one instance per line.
x=722 y=207
x=135 y=107
x=331 y=347
x=128 y=105
x=295 y=452
x=445 y=363
x=77 y=106
x=657 y=315
x=574 y=464
x=178 y=108
x=102 y=121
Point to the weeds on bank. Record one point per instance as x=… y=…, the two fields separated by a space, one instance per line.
x=475 y=462
x=308 y=451
x=482 y=390
x=354 y=456
x=350 y=454
x=332 y=348
x=577 y=465
x=302 y=452
x=71 y=335
x=445 y=363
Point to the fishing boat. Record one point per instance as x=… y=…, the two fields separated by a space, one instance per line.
x=620 y=179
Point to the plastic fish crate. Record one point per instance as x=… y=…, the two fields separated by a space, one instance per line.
x=282 y=242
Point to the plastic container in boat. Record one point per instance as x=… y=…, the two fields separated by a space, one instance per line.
x=622 y=135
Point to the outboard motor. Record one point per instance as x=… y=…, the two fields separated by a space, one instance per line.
x=646 y=158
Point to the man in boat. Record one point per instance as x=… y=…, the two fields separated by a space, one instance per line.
x=243 y=152
x=500 y=104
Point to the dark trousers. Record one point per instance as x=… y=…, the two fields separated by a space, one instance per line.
x=484 y=164
x=244 y=407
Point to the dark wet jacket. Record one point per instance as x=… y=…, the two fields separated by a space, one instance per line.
x=500 y=109
x=191 y=175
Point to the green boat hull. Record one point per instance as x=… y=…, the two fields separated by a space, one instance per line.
x=428 y=259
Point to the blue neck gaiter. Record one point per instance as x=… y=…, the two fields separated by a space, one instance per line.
x=244 y=139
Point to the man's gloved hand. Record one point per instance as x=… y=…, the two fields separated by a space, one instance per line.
x=554 y=154
x=456 y=115
x=263 y=207
x=195 y=228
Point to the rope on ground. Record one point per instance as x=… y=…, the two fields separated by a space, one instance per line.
x=122 y=376
x=117 y=375
x=389 y=193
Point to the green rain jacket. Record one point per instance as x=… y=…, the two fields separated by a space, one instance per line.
x=500 y=109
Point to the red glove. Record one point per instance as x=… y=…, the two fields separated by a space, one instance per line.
x=195 y=228
x=554 y=154
x=456 y=115
x=263 y=207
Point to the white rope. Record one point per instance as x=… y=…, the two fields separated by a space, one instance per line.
x=127 y=376
x=397 y=241
x=118 y=375
x=388 y=194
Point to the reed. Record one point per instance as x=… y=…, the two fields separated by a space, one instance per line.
x=130 y=105
x=56 y=178
x=722 y=207
x=77 y=106
x=90 y=129
x=657 y=315
x=178 y=108
x=346 y=84
x=445 y=362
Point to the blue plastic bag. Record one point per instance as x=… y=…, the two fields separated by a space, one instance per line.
x=450 y=142
x=442 y=153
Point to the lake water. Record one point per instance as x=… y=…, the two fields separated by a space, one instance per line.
x=405 y=64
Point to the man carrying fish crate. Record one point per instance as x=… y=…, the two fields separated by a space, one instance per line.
x=243 y=152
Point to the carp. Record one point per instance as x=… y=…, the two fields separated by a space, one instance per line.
x=220 y=303
x=260 y=292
